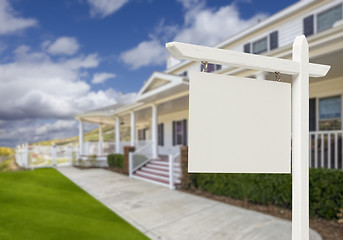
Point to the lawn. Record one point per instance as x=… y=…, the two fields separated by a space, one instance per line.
x=43 y=204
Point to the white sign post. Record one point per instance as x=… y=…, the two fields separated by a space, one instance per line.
x=300 y=68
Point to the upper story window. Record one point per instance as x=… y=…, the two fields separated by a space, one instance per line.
x=264 y=44
x=309 y=25
x=273 y=40
x=184 y=74
x=323 y=20
x=247 y=48
x=211 y=67
x=260 y=46
x=326 y=19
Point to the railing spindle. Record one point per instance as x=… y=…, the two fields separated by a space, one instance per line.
x=336 y=150
x=310 y=150
x=329 y=150
x=316 y=150
x=322 y=150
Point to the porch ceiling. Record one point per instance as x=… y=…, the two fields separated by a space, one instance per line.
x=99 y=119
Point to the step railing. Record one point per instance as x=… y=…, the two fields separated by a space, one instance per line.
x=326 y=149
x=174 y=169
x=140 y=157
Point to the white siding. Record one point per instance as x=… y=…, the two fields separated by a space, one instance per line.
x=289 y=30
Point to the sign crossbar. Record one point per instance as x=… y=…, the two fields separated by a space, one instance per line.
x=243 y=60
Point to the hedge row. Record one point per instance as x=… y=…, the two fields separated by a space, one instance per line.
x=115 y=160
x=326 y=189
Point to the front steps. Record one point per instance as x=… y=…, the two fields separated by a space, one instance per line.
x=157 y=171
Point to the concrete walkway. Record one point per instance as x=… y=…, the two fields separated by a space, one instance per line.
x=161 y=213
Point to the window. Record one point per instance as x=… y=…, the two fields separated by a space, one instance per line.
x=308 y=25
x=326 y=19
x=184 y=74
x=161 y=134
x=218 y=67
x=260 y=46
x=141 y=134
x=247 y=48
x=273 y=40
x=330 y=113
x=323 y=20
x=180 y=132
x=210 y=67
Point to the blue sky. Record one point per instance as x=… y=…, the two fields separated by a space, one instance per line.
x=60 y=58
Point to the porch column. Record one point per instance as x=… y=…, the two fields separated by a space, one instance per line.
x=133 y=128
x=260 y=75
x=154 y=132
x=117 y=134
x=100 y=141
x=81 y=137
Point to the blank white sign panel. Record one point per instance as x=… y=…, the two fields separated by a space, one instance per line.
x=238 y=125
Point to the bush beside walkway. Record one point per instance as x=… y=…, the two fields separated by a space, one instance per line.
x=326 y=192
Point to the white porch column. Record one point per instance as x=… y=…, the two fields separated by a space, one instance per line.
x=133 y=128
x=81 y=137
x=100 y=141
x=117 y=134
x=154 y=132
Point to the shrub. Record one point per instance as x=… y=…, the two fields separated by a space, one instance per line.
x=326 y=191
x=5 y=151
x=115 y=160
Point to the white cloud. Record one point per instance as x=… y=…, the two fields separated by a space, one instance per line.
x=202 y=25
x=35 y=86
x=10 y=22
x=103 y=8
x=210 y=26
x=62 y=46
x=146 y=53
x=188 y=4
x=102 y=77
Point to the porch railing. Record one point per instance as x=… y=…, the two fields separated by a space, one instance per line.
x=326 y=149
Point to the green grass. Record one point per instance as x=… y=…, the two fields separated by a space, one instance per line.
x=43 y=204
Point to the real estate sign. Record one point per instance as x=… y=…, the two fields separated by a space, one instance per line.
x=238 y=125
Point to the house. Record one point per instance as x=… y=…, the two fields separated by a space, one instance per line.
x=158 y=118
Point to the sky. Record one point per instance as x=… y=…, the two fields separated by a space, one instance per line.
x=61 y=58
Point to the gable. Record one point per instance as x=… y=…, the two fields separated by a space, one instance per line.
x=156 y=83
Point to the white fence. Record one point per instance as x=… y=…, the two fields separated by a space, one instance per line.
x=36 y=156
